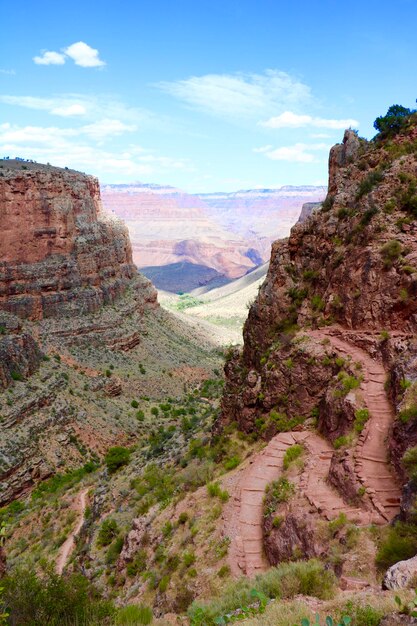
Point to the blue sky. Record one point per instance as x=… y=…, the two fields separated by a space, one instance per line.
x=206 y=94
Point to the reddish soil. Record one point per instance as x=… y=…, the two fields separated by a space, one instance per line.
x=69 y=544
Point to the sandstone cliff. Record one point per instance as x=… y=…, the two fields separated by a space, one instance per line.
x=60 y=254
x=70 y=300
x=336 y=315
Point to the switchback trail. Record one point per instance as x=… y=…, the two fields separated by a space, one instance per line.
x=244 y=512
x=68 y=545
x=371 y=454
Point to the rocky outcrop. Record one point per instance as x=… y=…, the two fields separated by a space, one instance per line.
x=308 y=209
x=289 y=540
x=60 y=254
x=351 y=263
x=401 y=575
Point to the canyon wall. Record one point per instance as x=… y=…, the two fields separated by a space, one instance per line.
x=60 y=254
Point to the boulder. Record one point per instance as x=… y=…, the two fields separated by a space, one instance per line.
x=400 y=575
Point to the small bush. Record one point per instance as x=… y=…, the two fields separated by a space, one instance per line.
x=361 y=417
x=410 y=462
x=408 y=414
x=285 y=581
x=400 y=543
x=134 y=404
x=291 y=454
x=16 y=375
x=276 y=492
x=214 y=490
x=108 y=531
x=133 y=615
x=116 y=458
x=188 y=559
x=368 y=183
x=114 y=550
x=390 y=252
x=341 y=442
x=231 y=463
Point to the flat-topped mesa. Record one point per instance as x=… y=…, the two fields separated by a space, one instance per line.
x=59 y=253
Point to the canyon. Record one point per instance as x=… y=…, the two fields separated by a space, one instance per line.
x=183 y=241
x=128 y=457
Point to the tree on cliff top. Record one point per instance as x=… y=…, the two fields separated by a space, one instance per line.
x=393 y=121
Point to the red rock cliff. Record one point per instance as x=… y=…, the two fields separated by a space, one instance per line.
x=59 y=253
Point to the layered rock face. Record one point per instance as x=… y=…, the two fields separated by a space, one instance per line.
x=60 y=254
x=71 y=304
x=230 y=233
x=336 y=315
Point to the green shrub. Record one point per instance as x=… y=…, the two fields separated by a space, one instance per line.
x=108 y=531
x=291 y=454
x=390 y=252
x=341 y=442
x=408 y=414
x=139 y=563
x=116 y=458
x=410 y=462
x=276 y=492
x=347 y=383
x=231 y=463
x=317 y=303
x=399 y=543
x=361 y=417
x=363 y=615
x=284 y=581
x=214 y=490
x=114 y=550
x=134 y=404
x=16 y=375
x=134 y=615
x=183 y=517
x=140 y=416
x=369 y=182
x=47 y=598
x=188 y=559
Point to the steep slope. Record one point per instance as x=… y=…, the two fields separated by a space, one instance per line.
x=334 y=320
x=81 y=332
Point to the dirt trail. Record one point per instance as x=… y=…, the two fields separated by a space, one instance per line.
x=244 y=512
x=371 y=454
x=69 y=544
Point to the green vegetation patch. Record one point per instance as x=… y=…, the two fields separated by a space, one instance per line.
x=276 y=492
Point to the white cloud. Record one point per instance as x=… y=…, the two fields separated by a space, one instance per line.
x=287 y=119
x=8 y=72
x=84 y=55
x=240 y=94
x=90 y=107
x=80 y=52
x=298 y=153
x=69 y=110
x=82 y=148
x=49 y=57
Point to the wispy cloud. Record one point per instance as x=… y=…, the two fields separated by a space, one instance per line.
x=8 y=72
x=81 y=106
x=297 y=153
x=89 y=148
x=80 y=52
x=241 y=94
x=288 y=119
